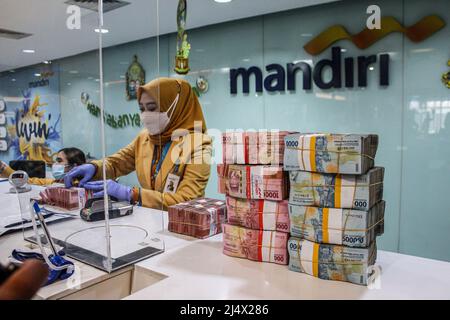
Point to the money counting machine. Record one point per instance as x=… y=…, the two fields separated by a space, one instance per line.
x=94 y=210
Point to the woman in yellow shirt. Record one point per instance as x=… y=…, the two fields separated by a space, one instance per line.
x=66 y=159
x=171 y=156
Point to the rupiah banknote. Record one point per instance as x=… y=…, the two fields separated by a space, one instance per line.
x=336 y=190
x=257 y=245
x=348 y=227
x=200 y=218
x=253 y=182
x=332 y=262
x=330 y=153
x=258 y=214
x=253 y=147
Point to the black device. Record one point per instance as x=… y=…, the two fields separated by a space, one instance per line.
x=35 y=169
x=94 y=210
x=7 y=271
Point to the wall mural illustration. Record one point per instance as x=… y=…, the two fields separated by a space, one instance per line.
x=33 y=116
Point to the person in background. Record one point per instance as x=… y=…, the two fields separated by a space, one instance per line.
x=171 y=156
x=25 y=282
x=66 y=159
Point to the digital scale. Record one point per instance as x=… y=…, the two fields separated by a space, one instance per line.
x=19 y=181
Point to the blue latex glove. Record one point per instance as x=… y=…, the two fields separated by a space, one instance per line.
x=116 y=190
x=85 y=172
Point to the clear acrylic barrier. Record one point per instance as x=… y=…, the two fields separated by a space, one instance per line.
x=75 y=99
x=127 y=67
x=61 y=98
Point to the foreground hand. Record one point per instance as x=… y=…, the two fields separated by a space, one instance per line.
x=114 y=189
x=25 y=282
x=85 y=172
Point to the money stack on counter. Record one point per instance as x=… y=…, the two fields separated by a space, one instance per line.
x=256 y=186
x=200 y=218
x=336 y=209
x=69 y=199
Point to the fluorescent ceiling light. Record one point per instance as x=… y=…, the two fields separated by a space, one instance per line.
x=28 y=51
x=222 y=1
x=37 y=74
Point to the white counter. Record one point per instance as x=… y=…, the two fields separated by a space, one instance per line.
x=85 y=276
x=197 y=269
x=200 y=271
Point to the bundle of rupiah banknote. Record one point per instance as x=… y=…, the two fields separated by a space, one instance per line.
x=257 y=189
x=325 y=191
x=336 y=206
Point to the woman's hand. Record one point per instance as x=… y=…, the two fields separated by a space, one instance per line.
x=114 y=189
x=86 y=172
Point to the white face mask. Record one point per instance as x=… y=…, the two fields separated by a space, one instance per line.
x=156 y=122
x=58 y=171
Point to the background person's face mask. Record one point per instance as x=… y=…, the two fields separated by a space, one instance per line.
x=156 y=122
x=58 y=171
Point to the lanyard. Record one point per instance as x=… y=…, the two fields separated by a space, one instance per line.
x=163 y=155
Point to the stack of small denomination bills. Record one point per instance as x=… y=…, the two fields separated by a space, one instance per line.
x=262 y=147
x=336 y=209
x=253 y=181
x=257 y=189
x=69 y=199
x=200 y=218
x=258 y=214
x=257 y=245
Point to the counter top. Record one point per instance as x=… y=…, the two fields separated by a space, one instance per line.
x=201 y=271
x=197 y=269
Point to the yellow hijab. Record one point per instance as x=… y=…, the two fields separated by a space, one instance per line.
x=188 y=109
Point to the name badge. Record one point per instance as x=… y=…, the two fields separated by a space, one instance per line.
x=171 y=183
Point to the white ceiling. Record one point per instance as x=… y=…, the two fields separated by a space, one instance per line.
x=46 y=20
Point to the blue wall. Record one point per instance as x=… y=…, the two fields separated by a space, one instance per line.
x=410 y=115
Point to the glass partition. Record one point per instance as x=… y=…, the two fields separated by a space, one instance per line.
x=68 y=111
x=127 y=66
x=52 y=124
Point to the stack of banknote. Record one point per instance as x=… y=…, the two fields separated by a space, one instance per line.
x=257 y=147
x=336 y=209
x=330 y=153
x=253 y=181
x=200 y=218
x=351 y=228
x=258 y=214
x=336 y=190
x=332 y=262
x=69 y=199
x=257 y=245
x=257 y=189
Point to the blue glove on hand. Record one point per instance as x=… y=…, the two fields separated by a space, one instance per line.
x=114 y=189
x=85 y=172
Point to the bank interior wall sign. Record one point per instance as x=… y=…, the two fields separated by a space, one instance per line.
x=446 y=77
x=418 y=32
x=135 y=77
x=183 y=46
